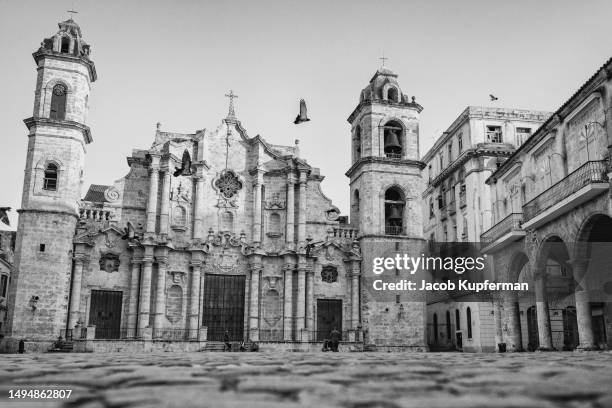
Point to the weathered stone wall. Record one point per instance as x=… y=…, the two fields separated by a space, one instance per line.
x=43 y=274
x=391 y=319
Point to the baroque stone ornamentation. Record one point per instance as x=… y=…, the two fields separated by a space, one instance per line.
x=332 y=214
x=111 y=194
x=59 y=90
x=329 y=274
x=178 y=277
x=228 y=184
x=228 y=240
x=275 y=203
x=109 y=262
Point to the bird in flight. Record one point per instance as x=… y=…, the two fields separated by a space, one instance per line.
x=4 y=215
x=185 y=169
x=303 y=115
x=493 y=97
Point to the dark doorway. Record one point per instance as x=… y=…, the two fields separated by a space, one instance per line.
x=105 y=313
x=570 y=328
x=224 y=306
x=329 y=317
x=599 y=324
x=533 y=341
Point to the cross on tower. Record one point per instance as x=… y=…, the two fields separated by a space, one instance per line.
x=383 y=59
x=231 y=95
x=72 y=13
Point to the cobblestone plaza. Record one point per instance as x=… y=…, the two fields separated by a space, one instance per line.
x=353 y=380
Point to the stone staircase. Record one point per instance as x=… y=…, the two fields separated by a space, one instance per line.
x=220 y=346
x=65 y=347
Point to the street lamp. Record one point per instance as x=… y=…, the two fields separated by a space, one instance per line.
x=549 y=166
x=586 y=134
x=512 y=189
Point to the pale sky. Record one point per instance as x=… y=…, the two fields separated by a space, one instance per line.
x=173 y=61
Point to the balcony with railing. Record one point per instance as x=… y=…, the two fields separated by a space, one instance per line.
x=345 y=232
x=584 y=183
x=503 y=233
x=393 y=229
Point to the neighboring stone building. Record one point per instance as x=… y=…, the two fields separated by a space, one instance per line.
x=7 y=250
x=553 y=227
x=457 y=208
x=208 y=232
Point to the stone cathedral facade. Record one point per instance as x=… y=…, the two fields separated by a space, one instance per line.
x=209 y=233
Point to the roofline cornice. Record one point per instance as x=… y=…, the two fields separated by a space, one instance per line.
x=91 y=67
x=374 y=159
x=371 y=102
x=591 y=85
x=35 y=121
x=481 y=149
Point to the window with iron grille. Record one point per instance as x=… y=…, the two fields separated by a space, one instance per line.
x=50 y=179
x=494 y=134
x=522 y=134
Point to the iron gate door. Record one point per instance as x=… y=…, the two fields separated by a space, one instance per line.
x=329 y=317
x=224 y=306
x=105 y=313
x=532 y=329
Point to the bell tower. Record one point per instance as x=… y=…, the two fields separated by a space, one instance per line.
x=57 y=140
x=386 y=188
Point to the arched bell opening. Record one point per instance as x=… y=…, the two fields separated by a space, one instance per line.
x=394 y=211
x=393 y=136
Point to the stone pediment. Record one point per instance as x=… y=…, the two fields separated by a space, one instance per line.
x=90 y=235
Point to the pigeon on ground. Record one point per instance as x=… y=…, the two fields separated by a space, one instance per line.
x=303 y=116
x=4 y=215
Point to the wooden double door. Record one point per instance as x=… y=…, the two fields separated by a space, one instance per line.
x=105 y=313
x=223 y=306
x=329 y=317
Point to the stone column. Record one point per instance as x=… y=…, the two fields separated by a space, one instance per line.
x=514 y=342
x=355 y=276
x=289 y=236
x=75 y=295
x=499 y=337
x=257 y=208
x=256 y=268
x=583 y=305
x=153 y=184
x=164 y=218
x=310 y=304
x=302 y=210
x=288 y=302
x=247 y=304
x=145 y=293
x=132 y=318
x=198 y=225
x=544 y=332
x=160 y=296
x=194 y=298
x=301 y=299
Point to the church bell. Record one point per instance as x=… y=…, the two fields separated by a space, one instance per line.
x=392 y=142
x=396 y=212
